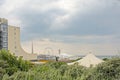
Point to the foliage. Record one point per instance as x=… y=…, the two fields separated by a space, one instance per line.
x=11 y=63
x=76 y=60
x=105 y=59
x=55 y=64
x=75 y=71
x=18 y=69
x=63 y=73
x=2 y=72
x=109 y=70
x=3 y=67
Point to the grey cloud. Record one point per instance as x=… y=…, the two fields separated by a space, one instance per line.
x=37 y=24
x=104 y=22
x=2 y=2
x=99 y=21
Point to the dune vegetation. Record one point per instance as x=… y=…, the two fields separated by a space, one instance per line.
x=13 y=68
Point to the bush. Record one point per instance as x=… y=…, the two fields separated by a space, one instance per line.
x=11 y=63
x=56 y=65
x=18 y=69
x=2 y=72
x=75 y=71
x=105 y=59
x=109 y=70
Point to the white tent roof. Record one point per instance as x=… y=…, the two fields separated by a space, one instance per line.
x=88 y=60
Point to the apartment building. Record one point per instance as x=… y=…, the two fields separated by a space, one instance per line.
x=10 y=40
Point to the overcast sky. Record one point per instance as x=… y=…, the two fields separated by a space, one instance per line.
x=74 y=26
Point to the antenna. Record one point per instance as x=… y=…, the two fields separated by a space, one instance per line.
x=118 y=51
x=32 y=48
x=59 y=51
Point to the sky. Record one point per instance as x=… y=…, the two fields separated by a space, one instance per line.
x=74 y=26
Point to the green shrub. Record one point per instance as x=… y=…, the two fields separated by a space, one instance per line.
x=2 y=72
x=56 y=65
x=109 y=70
x=105 y=59
x=18 y=69
x=13 y=64
x=75 y=71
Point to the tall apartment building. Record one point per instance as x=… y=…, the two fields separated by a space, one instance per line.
x=10 y=40
x=3 y=34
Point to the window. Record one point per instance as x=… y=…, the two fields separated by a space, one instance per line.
x=4 y=33
x=5 y=44
x=4 y=28
x=4 y=38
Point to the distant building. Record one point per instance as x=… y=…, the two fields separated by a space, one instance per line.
x=10 y=40
x=46 y=57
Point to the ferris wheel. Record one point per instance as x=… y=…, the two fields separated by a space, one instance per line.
x=48 y=51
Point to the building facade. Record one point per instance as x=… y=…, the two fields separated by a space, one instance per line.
x=3 y=33
x=10 y=40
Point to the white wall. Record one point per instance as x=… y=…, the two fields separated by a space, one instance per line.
x=14 y=44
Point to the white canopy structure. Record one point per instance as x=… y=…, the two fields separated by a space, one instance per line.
x=64 y=55
x=88 y=60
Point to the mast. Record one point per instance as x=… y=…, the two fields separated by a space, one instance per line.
x=32 y=48
x=59 y=51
